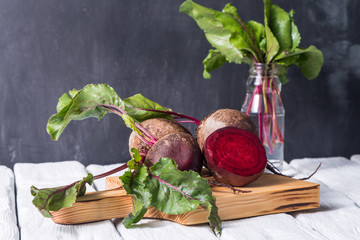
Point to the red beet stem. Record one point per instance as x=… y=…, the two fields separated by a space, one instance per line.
x=194 y=120
x=273 y=134
x=235 y=150
x=118 y=111
x=260 y=120
x=175 y=188
x=115 y=170
x=267 y=127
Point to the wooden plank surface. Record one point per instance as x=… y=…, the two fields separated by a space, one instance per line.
x=355 y=158
x=274 y=226
x=32 y=224
x=338 y=173
x=8 y=220
x=337 y=217
x=268 y=195
x=339 y=214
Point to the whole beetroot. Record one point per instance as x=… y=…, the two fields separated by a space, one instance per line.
x=158 y=128
x=179 y=146
x=172 y=141
x=232 y=150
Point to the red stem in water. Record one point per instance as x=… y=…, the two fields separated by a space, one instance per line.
x=273 y=134
x=256 y=91
x=267 y=127
x=275 y=128
x=269 y=120
x=260 y=121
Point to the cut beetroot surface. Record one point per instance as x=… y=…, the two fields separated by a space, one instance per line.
x=220 y=119
x=235 y=150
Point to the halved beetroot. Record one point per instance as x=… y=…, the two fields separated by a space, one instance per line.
x=235 y=156
x=220 y=119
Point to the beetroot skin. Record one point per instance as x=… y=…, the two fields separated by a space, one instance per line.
x=158 y=128
x=235 y=156
x=220 y=119
x=181 y=147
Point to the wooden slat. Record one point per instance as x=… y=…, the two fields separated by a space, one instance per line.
x=8 y=226
x=269 y=194
x=32 y=224
x=355 y=158
x=339 y=214
x=337 y=173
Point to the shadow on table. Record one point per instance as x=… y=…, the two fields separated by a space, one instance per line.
x=314 y=210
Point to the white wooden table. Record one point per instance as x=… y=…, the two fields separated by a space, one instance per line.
x=337 y=218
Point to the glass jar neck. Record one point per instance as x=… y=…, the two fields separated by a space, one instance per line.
x=264 y=69
x=265 y=75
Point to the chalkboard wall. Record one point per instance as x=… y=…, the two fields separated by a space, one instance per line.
x=148 y=47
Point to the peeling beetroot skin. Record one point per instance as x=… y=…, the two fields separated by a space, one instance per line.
x=235 y=156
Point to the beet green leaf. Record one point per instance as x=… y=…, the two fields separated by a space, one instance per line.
x=53 y=199
x=212 y=23
x=280 y=25
x=277 y=41
x=98 y=100
x=295 y=35
x=138 y=107
x=167 y=189
x=244 y=36
x=309 y=60
x=213 y=61
x=175 y=192
x=134 y=182
x=272 y=44
x=84 y=104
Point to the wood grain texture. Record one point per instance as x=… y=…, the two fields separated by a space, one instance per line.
x=270 y=194
x=95 y=169
x=8 y=225
x=337 y=217
x=153 y=229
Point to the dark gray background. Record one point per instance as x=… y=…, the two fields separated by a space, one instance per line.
x=48 y=47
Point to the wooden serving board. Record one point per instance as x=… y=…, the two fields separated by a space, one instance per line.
x=269 y=194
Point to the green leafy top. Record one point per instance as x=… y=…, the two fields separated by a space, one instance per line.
x=251 y=42
x=167 y=189
x=138 y=107
x=53 y=199
x=162 y=186
x=96 y=100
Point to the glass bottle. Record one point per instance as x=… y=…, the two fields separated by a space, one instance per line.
x=264 y=106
